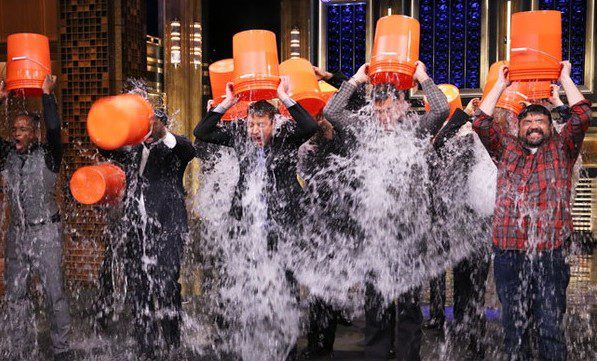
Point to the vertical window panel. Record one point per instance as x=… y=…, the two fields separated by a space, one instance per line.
x=451 y=41
x=346 y=37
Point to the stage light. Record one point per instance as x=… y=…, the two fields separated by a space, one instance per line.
x=175 y=57
x=295 y=43
x=196 y=42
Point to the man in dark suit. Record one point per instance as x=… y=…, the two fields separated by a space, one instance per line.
x=261 y=136
x=155 y=219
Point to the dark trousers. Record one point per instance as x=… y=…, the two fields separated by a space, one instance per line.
x=437 y=299
x=323 y=320
x=532 y=285
x=398 y=324
x=152 y=275
x=470 y=276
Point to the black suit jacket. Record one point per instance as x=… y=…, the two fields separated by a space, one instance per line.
x=282 y=190
x=161 y=183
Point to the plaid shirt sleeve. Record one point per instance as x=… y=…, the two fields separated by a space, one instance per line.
x=489 y=133
x=335 y=110
x=439 y=110
x=573 y=133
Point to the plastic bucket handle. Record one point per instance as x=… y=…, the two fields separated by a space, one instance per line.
x=16 y=58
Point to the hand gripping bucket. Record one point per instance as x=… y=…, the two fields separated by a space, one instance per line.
x=28 y=62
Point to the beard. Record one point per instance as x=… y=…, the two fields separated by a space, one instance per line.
x=533 y=142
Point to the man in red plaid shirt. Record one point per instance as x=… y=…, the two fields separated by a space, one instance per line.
x=532 y=217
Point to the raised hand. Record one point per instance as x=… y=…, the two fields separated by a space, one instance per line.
x=283 y=88
x=230 y=99
x=502 y=79
x=321 y=73
x=554 y=99
x=49 y=84
x=566 y=70
x=3 y=92
x=361 y=75
x=472 y=106
x=420 y=74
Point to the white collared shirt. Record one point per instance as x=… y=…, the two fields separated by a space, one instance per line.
x=169 y=140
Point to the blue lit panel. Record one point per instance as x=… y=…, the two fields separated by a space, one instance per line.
x=458 y=43
x=473 y=44
x=426 y=40
x=346 y=37
x=441 y=72
x=574 y=21
x=451 y=41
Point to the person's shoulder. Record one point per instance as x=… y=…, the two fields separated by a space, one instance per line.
x=181 y=139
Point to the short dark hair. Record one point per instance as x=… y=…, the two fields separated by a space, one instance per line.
x=263 y=108
x=34 y=118
x=381 y=92
x=534 y=109
x=161 y=115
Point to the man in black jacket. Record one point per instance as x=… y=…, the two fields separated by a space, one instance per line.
x=331 y=140
x=156 y=223
x=456 y=157
x=260 y=137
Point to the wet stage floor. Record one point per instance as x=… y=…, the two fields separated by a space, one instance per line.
x=114 y=342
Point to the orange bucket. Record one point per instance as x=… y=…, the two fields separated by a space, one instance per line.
x=395 y=51
x=98 y=184
x=327 y=91
x=536 y=45
x=255 y=56
x=220 y=74
x=453 y=95
x=536 y=89
x=27 y=62
x=518 y=92
x=511 y=98
x=119 y=120
x=303 y=86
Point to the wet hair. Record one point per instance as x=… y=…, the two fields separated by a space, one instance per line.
x=161 y=115
x=34 y=118
x=534 y=109
x=382 y=92
x=263 y=108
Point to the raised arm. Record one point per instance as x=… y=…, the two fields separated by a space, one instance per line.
x=306 y=126
x=333 y=79
x=335 y=110
x=5 y=146
x=208 y=130
x=573 y=133
x=483 y=124
x=439 y=110
x=53 y=125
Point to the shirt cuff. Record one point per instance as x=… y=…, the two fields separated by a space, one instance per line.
x=219 y=109
x=288 y=102
x=170 y=140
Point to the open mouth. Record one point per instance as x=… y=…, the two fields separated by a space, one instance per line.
x=257 y=140
x=18 y=144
